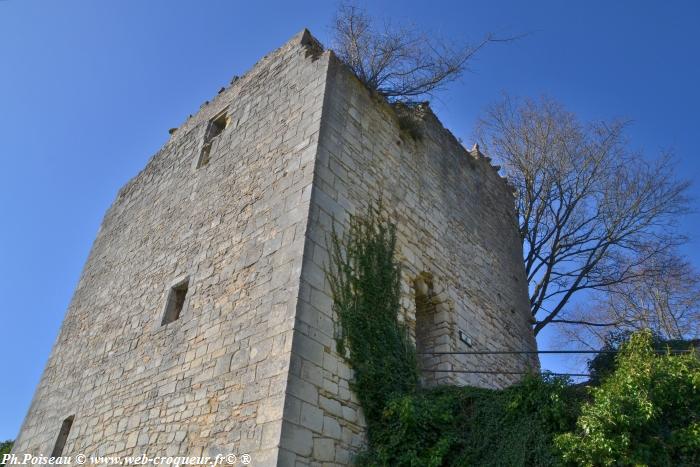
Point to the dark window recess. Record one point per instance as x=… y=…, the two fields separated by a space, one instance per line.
x=175 y=302
x=214 y=129
x=425 y=310
x=62 y=437
x=204 y=155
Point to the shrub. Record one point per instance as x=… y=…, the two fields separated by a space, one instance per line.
x=408 y=425
x=604 y=364
x=645 y=413
x=464 y=426
x=409 y=117
x=5 y=448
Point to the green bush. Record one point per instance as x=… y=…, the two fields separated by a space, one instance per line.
x=647 y=412
x=462 y=426
x=5 y=448
x=604 y=364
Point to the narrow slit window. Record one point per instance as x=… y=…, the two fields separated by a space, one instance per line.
x=214 y=128
x=204 y=155
x=175 y=302
x=62 y=437
x=423 y=287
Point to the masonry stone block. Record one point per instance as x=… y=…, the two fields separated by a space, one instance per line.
x=250 y=364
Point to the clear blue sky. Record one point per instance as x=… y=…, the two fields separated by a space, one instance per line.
x=88 y=90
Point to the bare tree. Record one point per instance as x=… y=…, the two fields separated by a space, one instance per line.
x=399 y=63
x=593 y=215
x=664 y=296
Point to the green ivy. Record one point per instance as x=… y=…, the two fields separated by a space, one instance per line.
x=646 y=412
x=463 y=426
x=365 y=280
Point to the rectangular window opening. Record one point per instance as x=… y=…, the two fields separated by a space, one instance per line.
x=62 y=437
x=425 y=311
x=204 y=155
x=217 y=125
x=175 y=302
x=214 y=128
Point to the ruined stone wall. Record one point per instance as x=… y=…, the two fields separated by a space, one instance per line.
x=456 y=227
x=250 y=366
x=213 y=380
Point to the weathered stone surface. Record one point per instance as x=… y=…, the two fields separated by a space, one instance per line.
x=456 y=224
x=250 y=364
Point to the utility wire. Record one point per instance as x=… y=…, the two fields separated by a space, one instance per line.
x=512 y=352
x=487 y=372
x=515 y=352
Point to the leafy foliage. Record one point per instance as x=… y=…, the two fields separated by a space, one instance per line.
x=365 y=282
x=473 y=426
x=645 y=413
x=409 y=118
x=605 y=364
x=5 y=448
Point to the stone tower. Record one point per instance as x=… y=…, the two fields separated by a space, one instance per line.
x=202 y=321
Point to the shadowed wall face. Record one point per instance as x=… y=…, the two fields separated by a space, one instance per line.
x=456 y=229
x=203 y=322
